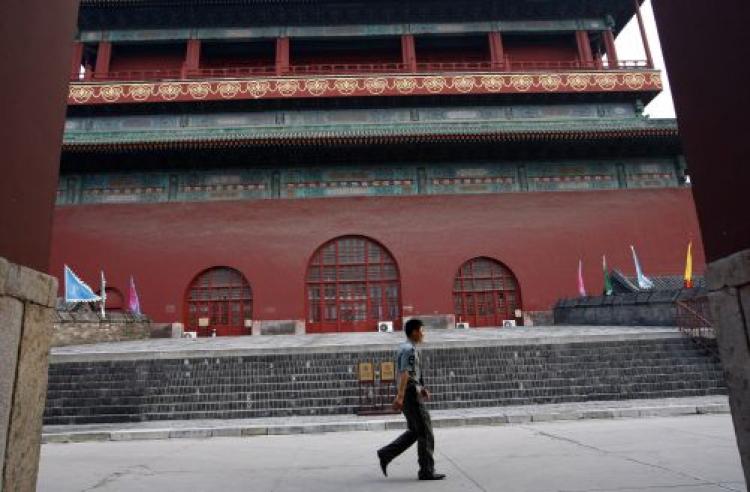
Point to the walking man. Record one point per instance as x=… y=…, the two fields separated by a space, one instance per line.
x=410 y=400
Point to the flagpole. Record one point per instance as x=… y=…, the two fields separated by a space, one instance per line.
x=103 y=296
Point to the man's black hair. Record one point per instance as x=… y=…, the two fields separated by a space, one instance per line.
x=412 y=325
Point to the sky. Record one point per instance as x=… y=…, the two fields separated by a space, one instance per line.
x=630 y=47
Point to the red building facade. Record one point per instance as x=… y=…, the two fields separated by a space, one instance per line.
x=317 y=168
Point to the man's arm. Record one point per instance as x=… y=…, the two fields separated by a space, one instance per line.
x=403 y=379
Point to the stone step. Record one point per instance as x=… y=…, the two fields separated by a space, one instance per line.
x=340 y=410
x=441 y=384
x=344 y=379
x=277 y=401
x=251 y=386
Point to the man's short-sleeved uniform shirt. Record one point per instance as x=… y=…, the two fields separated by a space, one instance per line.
x=408 y=360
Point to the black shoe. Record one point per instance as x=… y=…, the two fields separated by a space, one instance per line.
x=383 y=464
x=432 y=476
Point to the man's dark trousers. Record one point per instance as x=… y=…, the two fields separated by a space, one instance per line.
x=419 y=429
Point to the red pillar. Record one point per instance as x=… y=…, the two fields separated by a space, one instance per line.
x=609 y=45
x=103 y=57
x=192 y=57
x=585 y=55
x=282 y=56
x=646 y=47
x=409 y=52
x=497 y=52
x=75 y=62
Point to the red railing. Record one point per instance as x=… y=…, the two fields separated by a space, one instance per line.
x=362 y=68
x=693 y=318
x=347 y=68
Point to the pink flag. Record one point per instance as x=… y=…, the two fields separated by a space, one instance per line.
x=581 y=287
x=133 y=304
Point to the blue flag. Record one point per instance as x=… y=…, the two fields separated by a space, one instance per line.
x=76 y=289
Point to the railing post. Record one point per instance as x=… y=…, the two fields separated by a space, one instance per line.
x=282 y=56
x=103 y=58
x=497 y=53
x=409 y=52
x=192 y=57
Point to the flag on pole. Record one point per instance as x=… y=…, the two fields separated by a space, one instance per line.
x=76 y=289
x=643 y=281
x=133 y=303
x=103 y=293
x=607 y=281
x=581 y=287
x=689 y=267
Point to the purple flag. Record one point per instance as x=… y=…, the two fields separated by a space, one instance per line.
x=133 y=303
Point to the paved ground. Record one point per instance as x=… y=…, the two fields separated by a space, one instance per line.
x=228 y=346
x=691 y=454
x=458 y=417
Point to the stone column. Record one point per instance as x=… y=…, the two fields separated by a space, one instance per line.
x=729 y=286
x=27 y=300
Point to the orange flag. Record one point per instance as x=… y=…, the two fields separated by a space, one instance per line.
x=689 y=267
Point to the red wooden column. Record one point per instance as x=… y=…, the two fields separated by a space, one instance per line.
x=497 y=52
x=646 y=47
x=609 y=45
x=76 y=60
x=192 y=57
x=409 y=52
x=585 y=55
x=103 y=57
x=282 y=56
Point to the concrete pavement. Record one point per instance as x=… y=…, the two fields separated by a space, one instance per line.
x=691 y=454
x=315 y=424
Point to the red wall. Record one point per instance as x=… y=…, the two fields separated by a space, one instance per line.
x=540 y=236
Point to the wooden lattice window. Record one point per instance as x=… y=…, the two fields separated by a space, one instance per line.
x=352 y=283
x=223 y=299
x=485 y=292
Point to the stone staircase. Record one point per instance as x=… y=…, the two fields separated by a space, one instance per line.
x=325 y=383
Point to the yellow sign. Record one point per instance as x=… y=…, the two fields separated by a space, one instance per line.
x=387 y=371
x=365 y=371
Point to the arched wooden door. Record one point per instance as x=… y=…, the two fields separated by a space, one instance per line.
x=485 y=292
x=352 y=283
x=221 y=299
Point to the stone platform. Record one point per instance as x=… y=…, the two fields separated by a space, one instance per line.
x=316 y=375
x=350 y=342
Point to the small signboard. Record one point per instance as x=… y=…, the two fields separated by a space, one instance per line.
x=365 y=372
x=203 y=322
x=387 y=372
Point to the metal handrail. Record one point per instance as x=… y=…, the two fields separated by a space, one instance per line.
x=693 y=318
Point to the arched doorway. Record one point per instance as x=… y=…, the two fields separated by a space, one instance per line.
x=485 y=292
x=352 y=283
x=219 y=299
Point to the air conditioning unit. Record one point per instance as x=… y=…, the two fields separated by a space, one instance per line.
x=509 y=323
x=190 y=334
x=462 y=325
x=385 y=326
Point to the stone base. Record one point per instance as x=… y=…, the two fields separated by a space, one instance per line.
x=64 y=334
x=27 y=300
x=278 y=327
x=729 y=287
x=435 y=321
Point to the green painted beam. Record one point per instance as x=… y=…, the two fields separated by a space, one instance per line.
x=363 y=30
